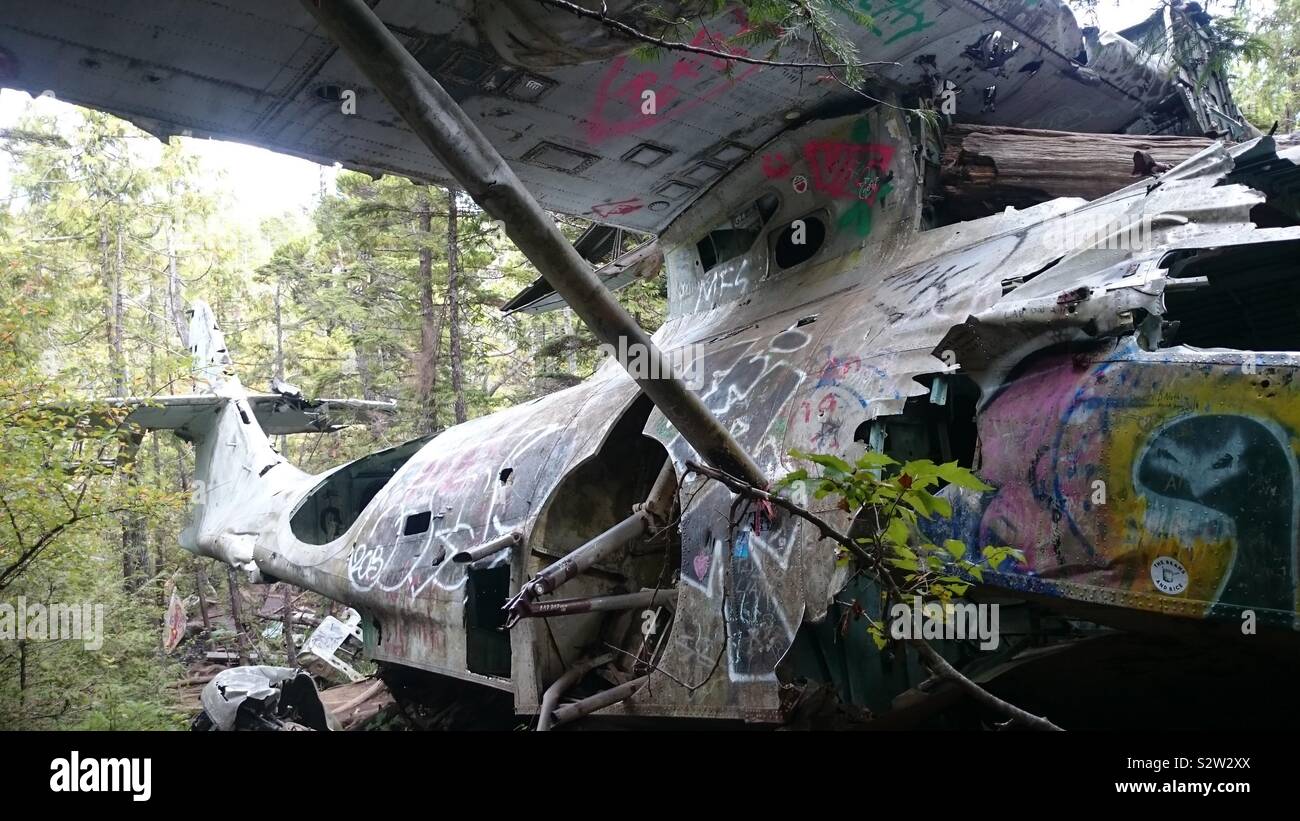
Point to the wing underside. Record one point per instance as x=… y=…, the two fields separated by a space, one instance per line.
x=590 y=128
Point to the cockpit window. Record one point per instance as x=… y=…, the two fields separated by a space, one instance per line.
x=799 y=241
x=737 y=235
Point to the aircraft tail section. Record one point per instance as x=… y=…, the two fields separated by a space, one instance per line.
x=240 y=482
x=233 y=456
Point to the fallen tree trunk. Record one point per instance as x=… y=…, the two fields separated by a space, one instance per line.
x=987 y=168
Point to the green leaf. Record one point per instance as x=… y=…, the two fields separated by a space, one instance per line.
x=792 y=478
x=918 y=503
x=878 y=636
x=897 y=533
x=955 y=548
x=954 y=474
x=905 y=552
x=872 y=460
x=834 y=464
x=938 y=504
x=921 y=470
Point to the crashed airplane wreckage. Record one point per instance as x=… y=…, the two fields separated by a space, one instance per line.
x=1121 y=370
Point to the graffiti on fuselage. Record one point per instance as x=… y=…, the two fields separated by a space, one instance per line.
x=386 y=560
x=825 y=422
x=902 y=18
x=632 y=97
x=1166 y=481
x=849 y=166
x=749 y=384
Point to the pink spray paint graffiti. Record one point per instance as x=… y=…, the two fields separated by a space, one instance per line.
x=854 y=169
x=620 y=105
x=776 y=166
x=842 y=169
x=605 y=210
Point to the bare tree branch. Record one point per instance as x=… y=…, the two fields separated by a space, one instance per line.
x=674 y=45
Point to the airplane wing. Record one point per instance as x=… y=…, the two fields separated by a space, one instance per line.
x=590 y=129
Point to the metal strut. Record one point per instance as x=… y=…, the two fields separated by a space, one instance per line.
x=468 y=155
x=653 y=512
x=498 y=544
x=561 y=685
x=600 y=701
x=663 y=597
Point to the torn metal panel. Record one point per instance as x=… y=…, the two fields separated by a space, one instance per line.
x=320 y=654
x=263 y=698
x=643 y=262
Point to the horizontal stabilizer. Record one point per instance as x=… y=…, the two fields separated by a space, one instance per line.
x=276 y=414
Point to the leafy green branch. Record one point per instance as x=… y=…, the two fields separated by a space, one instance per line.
x=889 y=500
x=779 y=22
x=894 y=498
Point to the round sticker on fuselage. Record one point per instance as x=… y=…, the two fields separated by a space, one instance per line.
x=1169 y=575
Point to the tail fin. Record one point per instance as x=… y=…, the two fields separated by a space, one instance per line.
x=232 y=454
x=212 y=362
x=239 y=479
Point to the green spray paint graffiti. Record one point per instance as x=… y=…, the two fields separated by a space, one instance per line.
x=874 y=184
x=895 y=12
